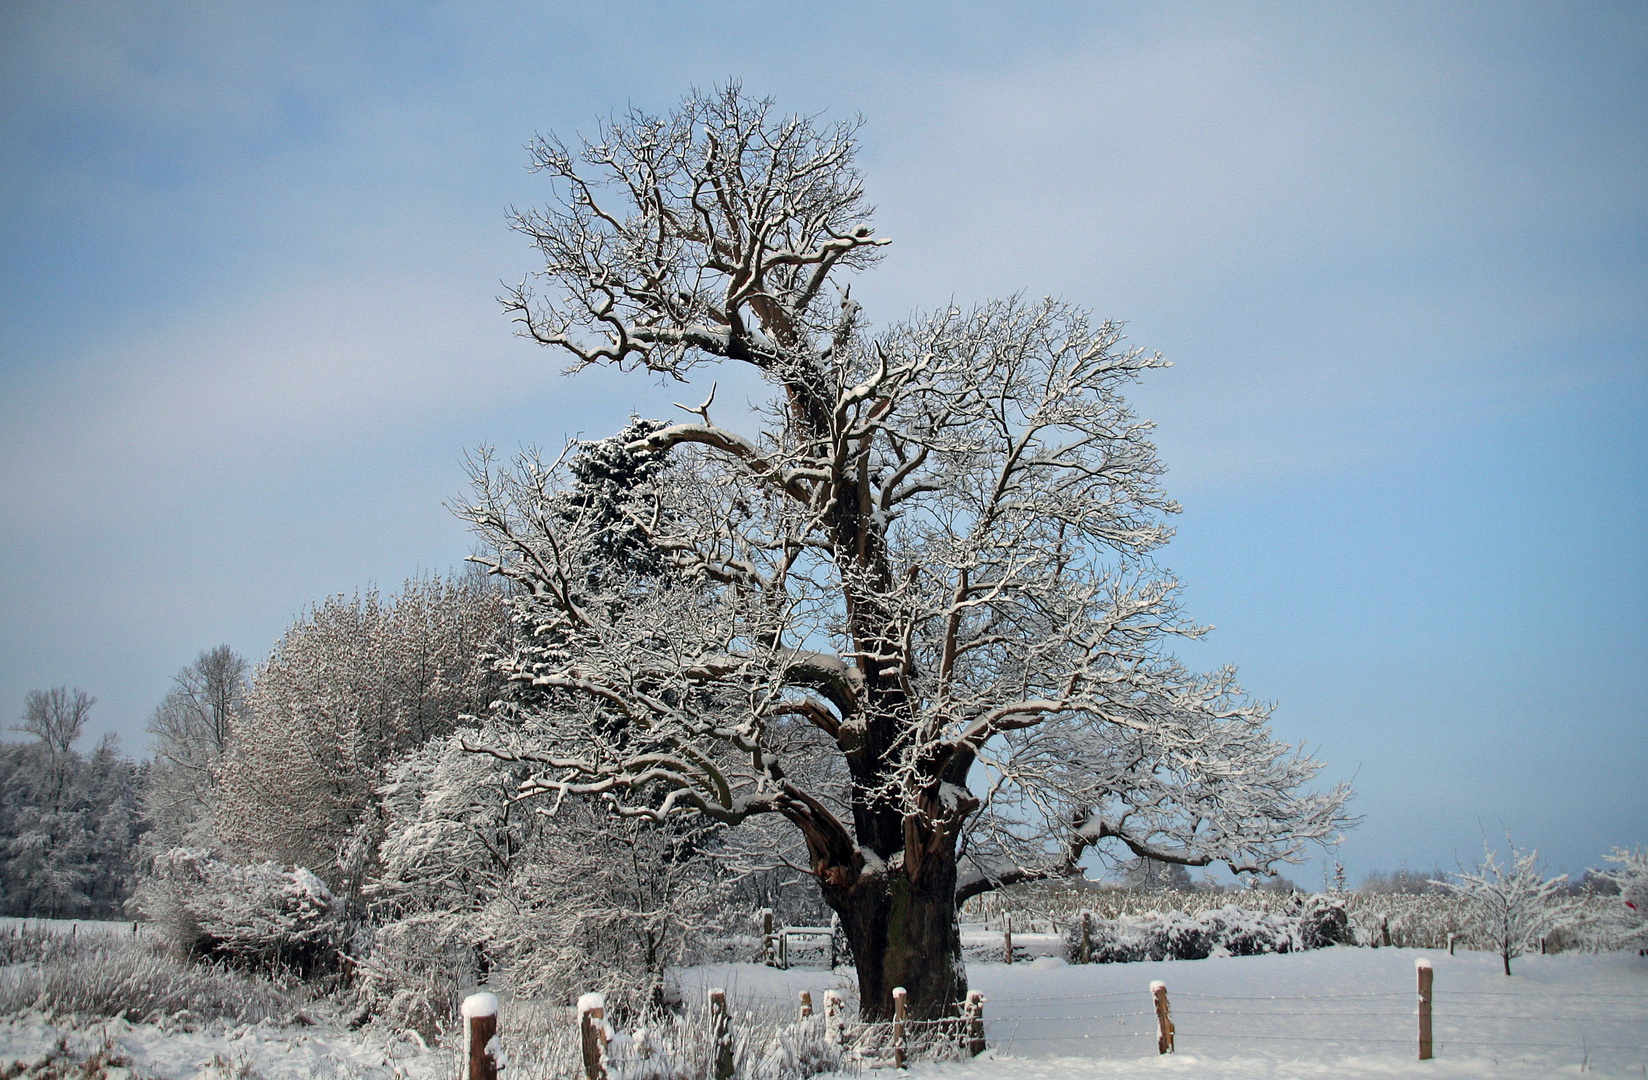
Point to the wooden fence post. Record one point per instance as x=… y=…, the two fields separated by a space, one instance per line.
x=806 y=1004
x=1164 y=1018
x=721 y=1031
x=835 y=927
x=769 y=949
x=974 y=1012
x=900 y=997
x=592 y=1033
x=1007 y=937
x=1426 y=977
x=1084 y=951
x=480 y=1020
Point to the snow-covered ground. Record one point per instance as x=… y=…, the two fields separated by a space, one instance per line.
x=1334 y=1012
x=1340 y=1012
x=243 y=1053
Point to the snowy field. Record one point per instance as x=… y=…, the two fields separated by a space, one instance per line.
x=1331 y=1013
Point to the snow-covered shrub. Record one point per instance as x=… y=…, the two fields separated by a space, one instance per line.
x=606 y=905
x=1324 y=922
x=1059 y=900
x=560 y=904
x=1227 y=931
x=1628 y=918
x=414 y=970
x=258 y=916
x=1410 y=919
x=451 y=834
x=1242 y=933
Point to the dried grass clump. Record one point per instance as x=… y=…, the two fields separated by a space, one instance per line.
x=768 y=1043
x=135 y=977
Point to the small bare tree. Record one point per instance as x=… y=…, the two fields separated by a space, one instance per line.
x=195 y=723
x=1512 y=907
x=193 y=729
x=56 y=716
x=915 y=616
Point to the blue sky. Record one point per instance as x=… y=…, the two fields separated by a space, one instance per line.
x=1398 y=254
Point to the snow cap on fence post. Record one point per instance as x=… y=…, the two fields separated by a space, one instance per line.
x=1426 y=975
x=480 y=1017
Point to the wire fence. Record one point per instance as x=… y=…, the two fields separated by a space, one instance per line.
x=1469 y=1022
x=1555 y=1028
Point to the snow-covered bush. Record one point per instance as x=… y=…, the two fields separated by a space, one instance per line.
x=413 y=971
x=1227 y=931
x=259 y=916
x=1410 y=919
x=1324 y=922
x=559 y=904
x=1061 y=900
x=1629 y=921
x=607 y=904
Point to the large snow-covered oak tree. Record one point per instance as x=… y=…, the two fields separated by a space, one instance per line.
x=915 y=615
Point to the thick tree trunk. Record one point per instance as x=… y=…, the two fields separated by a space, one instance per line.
x=904 y=933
